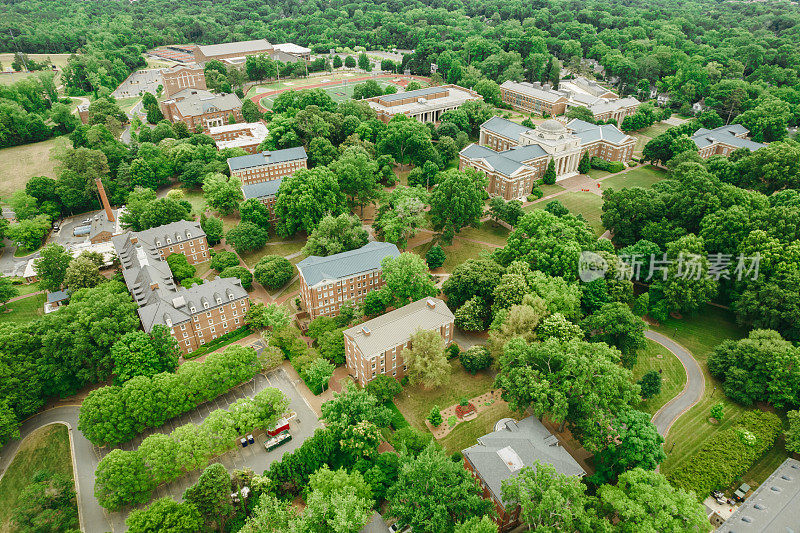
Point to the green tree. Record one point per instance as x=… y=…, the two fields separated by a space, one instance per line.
x=688 y=286
x=180 y=267
x=142 y=354
x=650 y=383
x=401 y=214
x=475 y=358
x=473 y=277
x=250 y=111
x=247 y=237
x=489 y=90
x=407 y=140
x=584 y=166
x=474 y=315
x=410 y=440
x=47 y=504
x=273 y=272
x=718 y=411
x=432 y=492
x=223 y=259
x=82 y=273
x=269 y=317
x=457 y=202
x=211 y=496
x=793 y=433
x=337 y=234
x=270 y=515
x=617 y=326
x=426 y=361
x=213 y=228
x=7 y=290
x=338 y=502
x=318 y=373
x=435 y=416
x=643 y=500
x=483 y=524
x=549 y=176
x=384 y=388
x=167 y=515
x=222 y=193
x=121 y=478
x=435 y=257
x=29 y=234
x=240 y=272
x=357 y=175
x=305 y=198
x=352 y=406
x=540 y=490
x=252 y=210
x=406 y=279
x=637 y=444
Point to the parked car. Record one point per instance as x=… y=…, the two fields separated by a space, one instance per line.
x=281 y=438
x=243 y=442
x=251 y=439
x=741 y=493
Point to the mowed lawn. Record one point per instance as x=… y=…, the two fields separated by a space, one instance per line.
x=673 y=376
x=46 y=449
x=59 y=60
x=24 y=310
x=18 y=164
x=700 y=335
x=644 y=177
x=587 y=204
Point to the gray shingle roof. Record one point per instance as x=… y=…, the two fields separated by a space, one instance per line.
x=263 y=189
x=507 y=162
x=57 y=296
x=589 y=133
x=239 y=47
x=197 y=102
x=519 y=443
x=418 y=93
x=534 y=92
x=315 y=269
x=726 y=135
x=504 y=127
x=175 y=232
x=267 y=158
x=396 y=327
x=773 y=507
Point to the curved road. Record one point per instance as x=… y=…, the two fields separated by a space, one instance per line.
x=692 y=391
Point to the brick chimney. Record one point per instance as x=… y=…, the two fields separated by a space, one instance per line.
x=104 y=200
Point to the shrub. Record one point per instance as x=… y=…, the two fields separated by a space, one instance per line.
x=240 y=272
x=476 y=358
x=435 y=418
x=718 y=411
x=616 y=166
x=398 y=421
x=650 y=384
x=384 y=388
x=435 y=257
x=452 y=351
x=247 y=237
x=224 y=259
x=535 y=194
x=273 y=271
x=726 y=455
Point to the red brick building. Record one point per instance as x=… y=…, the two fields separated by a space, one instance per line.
x=198 y=108
x=182 y=77
x=268 y=166
x=376 y=346
x=327 y=282
x=533 y=98
x=244 y=135
x=723 y=140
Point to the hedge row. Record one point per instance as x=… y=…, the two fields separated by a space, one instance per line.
x=116 y=414
x=728 y=454
x=608 y=166
x=129 y=477
x=219 y=342
x=398 y=421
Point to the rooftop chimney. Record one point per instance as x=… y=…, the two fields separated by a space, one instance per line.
x=104 y=200
x=431 y=303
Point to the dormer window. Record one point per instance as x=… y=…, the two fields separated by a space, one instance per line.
x=219 y=300
x=230 y=296
x=169 y=241
x=188 y=234
x=193 y=309
x=205 y=305
x=158 y=243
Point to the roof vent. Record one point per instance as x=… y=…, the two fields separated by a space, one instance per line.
x=365 y=330
x=759 y=507
x=179 y=301
x=431 y=303
x=775 y=489
x=786 y=478
x=747 y=519
x=153 y=286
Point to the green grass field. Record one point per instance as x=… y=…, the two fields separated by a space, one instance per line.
x=47 y=449
x=490 y=232
x=18 y=164
x=339 y=93
x=24 y=310
x=587 y=204
x=59 y=60
x=644 y=177
x=597 y=173
x=551 y=189
x=673 y=376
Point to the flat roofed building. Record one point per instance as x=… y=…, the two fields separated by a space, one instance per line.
x=723 y=140
x=182 y=77
x=194 y=316
x=265 y=192
x=501 y=455
x=244 y=135
x=533 y=98
x=268 y=166
x=773 y=507
x=375 y=347
x=327 y=282
x=198 y=108
x=239 y=49
x=295 y=50
x=425 y=105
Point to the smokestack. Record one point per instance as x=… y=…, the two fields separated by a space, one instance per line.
x=104 y=200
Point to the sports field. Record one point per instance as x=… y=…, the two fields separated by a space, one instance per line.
x=341 y=91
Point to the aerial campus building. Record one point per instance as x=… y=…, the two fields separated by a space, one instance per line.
x=513 y=156
x=376 y=346
x=723 y=140
x=198 y=108
x=182 y=77
x=237 y=52
x=262 y=173
x=425 y=105
x=244 y=135
x=193 y=316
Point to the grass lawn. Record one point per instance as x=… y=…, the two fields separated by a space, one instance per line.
x=415 y=402
x=46 y=448
x=490 y=232
x=126 y=104
x=24 y=310
x=644 y=177
x=24 y=252
x=339 y=93
x=550 y=189
x=655 y=130
x=20 y=163
x=59 y=60
x=282 y=248
x=194 y=197
x=700 y=335
x=597 y=173
x=28 y=289
x=466 y=434
x=673 y=376
x=641 y=141
x=587 y=204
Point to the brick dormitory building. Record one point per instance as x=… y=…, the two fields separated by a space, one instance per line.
x=513 y=156
x=198 y=108
x=195 y=315
x=262 y=173
x=327 y=282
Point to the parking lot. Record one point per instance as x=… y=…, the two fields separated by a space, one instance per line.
x=253 y=456
x=139 y=82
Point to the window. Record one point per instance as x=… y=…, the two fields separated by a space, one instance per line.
x=213 y=329
x=208 y=314
x=196 y=318
x=183 y=327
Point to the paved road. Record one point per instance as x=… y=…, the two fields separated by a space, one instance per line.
x=86 y=456
x=692 y=391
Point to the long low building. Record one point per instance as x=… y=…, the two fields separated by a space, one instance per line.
x=376 y=346
x=425 y=105
x=245 y=135
x=723 y=140
x=515 y=156
x=268 y=166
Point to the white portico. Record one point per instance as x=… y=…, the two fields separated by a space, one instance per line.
x=564 y=147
